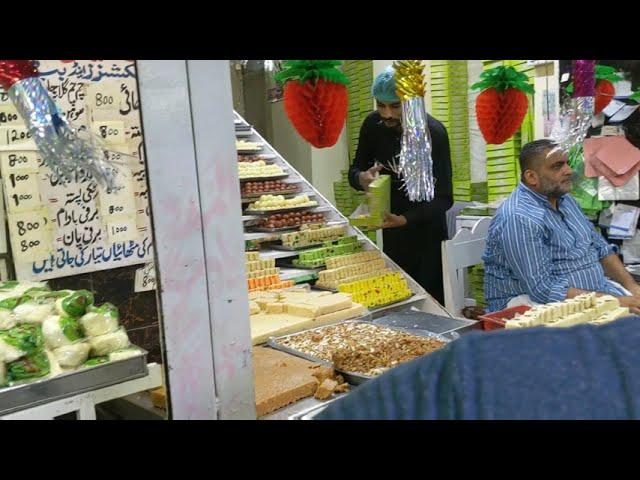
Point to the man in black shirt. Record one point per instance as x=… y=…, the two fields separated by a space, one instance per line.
x=413 y=231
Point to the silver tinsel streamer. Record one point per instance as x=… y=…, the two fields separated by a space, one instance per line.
x=573 y=123
x=61 y=146
x=416 y=164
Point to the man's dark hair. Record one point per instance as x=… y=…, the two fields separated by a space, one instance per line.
x=533 y=152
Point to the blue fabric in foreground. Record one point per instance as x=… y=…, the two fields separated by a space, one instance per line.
x=583 y=372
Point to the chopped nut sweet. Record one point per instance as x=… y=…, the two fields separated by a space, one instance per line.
x=322 y=373
x=342 y=388
x=325 y=389
x=362 y=348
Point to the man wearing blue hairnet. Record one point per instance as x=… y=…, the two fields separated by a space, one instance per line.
x=413 y=231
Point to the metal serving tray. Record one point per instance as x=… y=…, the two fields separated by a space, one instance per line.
x=416 y=320
x=245 y=151
x=20 y=397
x=351 y=377
x=256 y=196
x=378 y=308
x=286 y=264
x=260 y=179
x=281 y=210
x=324 y=289
x=311 y=412
x=286 y=248
x=293 y=228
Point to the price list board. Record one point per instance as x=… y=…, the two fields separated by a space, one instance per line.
x=60 y=230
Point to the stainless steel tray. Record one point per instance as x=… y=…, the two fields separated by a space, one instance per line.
x=268 y=161
x=416 y=320
x=292 y=228
x=284 y=193
x=281 y=210
x=285 y=248
x=350 y=377
x=274 y=230
x=287 y=195
x=20 y=397
x=249 y=152
x=385 y=305
x=263 y=156
x=287 y=264
x=372 y=310
x=324 y=289
x=259 y=179
x=311 y=412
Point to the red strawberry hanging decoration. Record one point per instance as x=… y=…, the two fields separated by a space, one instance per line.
x=605 y=90
x=315 y=99
x=502 y=104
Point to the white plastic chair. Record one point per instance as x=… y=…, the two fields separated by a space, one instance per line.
x=464 y=250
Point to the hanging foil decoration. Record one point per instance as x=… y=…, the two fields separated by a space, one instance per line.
x=577 y=113
x=65 y=150
x=416 y=164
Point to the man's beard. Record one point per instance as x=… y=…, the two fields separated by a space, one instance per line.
x=393 y=123
x=556 y=190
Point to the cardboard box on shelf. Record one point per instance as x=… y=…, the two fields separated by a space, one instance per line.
x=501 y=168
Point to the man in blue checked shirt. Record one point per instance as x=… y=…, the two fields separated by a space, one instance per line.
x=541 y=248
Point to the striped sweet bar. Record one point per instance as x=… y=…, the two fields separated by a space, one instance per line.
x=317 y=257
x=332 y=278
x=585 y=308
x=262 y=274
x=343 y=261
x=379 y=290
x=312 y=237
x=281 y=313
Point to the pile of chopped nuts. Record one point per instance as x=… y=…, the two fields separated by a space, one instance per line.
x=328 y=382
x=362 y=348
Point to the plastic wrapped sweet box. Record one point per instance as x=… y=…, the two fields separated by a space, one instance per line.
x=370 y=214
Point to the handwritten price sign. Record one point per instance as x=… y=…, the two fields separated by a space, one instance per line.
x=86 y=230
x=4 y=98
x=121 y=200
x=23 y=160
x=111 y=133
x=16 y=135
x=145 y=278
x=9 y=115
x=30 y=235
x=23 y=191
x=122 y=230
x=103 y=96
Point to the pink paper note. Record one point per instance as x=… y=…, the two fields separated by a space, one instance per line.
x=618 y=154
x=611 y=157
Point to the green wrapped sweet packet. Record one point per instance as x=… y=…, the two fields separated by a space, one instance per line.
x=75 y=304
x=4 y=381
x=100 y=320
x=70 y=328
x=92 y=362
x=34 y=365
x=9 y=285
x=26 y=337
x=10 y=303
